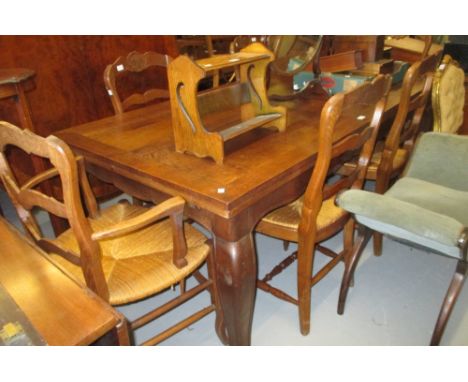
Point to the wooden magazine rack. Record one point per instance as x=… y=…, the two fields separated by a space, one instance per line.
x=248 y=93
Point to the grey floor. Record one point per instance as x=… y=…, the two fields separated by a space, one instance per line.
x=395 y=301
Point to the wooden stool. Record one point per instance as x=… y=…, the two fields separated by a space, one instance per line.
x=12 y=85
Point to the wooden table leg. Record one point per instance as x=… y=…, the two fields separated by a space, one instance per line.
x=236 y=272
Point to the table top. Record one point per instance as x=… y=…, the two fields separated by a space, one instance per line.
x=139 y=145
x=62 y=311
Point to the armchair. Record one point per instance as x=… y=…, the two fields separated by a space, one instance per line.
x=124 y=253
x=427 y=207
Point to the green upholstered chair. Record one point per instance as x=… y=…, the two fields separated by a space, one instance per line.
x=427 y=206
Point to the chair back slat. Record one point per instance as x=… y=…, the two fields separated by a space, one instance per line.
x=351 y=142
x=25 y=198
x=407 y=122
x=146 y=97
x=134 y=62
x=344 y=183
x=33 y=198
x=358 y=113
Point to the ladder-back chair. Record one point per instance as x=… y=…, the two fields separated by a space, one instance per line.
x=124 y=253
x=391 y=155
x=135 y=62
x=313 y=217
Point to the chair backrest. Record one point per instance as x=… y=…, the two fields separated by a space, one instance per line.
x=427 y=45
x=448 y=96
x=344 y=113
x=74 y=184
x=134 y=62
x=407 y=123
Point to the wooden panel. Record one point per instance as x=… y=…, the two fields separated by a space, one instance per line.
x=61 y=97
x=69 y=86
x=340 y=62
x=371 y=46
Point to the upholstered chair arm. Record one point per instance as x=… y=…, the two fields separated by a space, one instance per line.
x=441 y=159
x=386 y=214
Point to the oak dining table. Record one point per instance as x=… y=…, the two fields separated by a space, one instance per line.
x=262 y=170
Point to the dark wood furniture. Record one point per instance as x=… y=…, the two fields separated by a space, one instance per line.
x=314 y=217
x=124 y=253
x=411 y=49
x=44 y=294
x=136 y=152
x=391 y=155
x=371 y=46
x=13 y=85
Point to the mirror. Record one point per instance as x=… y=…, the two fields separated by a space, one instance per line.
x=293 y=54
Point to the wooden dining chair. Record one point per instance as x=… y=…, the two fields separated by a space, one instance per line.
x=391 y=154
x=124 y=253
x=135 y=63
x=313 y=217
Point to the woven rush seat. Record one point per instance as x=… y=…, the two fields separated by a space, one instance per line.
x=133 y=271
x=399 y=162
x=288 y=217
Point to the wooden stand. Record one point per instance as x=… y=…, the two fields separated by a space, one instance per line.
x=184 y=75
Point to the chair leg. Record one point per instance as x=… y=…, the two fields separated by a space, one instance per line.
x=377 y=243
x=382 y=184
x=351 y=260
x=348 y=239
x=305 y=261
x=449 y=301
x=285 y=245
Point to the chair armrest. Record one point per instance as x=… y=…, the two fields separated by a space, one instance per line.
x=392 y=212
x=167 y=208
x=173 y=208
